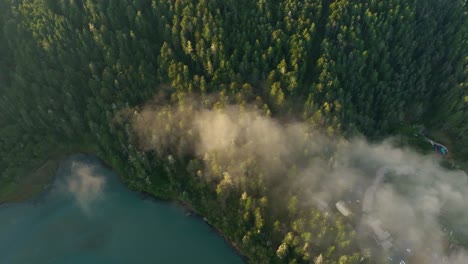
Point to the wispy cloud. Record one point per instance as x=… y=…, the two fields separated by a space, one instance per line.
x=413 y=195
x=85 y=186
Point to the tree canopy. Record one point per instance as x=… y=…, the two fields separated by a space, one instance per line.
x=70 y=71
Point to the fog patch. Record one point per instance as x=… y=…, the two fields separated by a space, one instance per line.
x=85 y=186
x=410 y=198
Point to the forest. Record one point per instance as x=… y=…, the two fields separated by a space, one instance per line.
x=126 y=79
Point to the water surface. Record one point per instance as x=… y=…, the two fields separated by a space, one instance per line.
x=88 y=216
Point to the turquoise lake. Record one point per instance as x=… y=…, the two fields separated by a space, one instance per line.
x=89 y=216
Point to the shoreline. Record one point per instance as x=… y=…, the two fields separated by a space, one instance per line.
x=35 y=198
x=181 y=204
x=191 y=212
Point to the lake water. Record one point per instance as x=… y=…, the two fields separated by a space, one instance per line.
x=88 y=216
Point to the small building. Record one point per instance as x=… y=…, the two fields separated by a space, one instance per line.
x=321 y=204
x=383 y=237
x=440 y=149
x=344 y=210
x=437 y=147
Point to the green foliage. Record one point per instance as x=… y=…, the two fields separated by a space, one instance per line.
x=71 y=70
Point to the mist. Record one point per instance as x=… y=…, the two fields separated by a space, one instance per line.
x=84 y=186
x=410 y=197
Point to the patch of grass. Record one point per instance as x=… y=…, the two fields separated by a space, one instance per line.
x=453 y=160
x=7 y=190
x=31 y=184
x=410 y=136
x=31 y=181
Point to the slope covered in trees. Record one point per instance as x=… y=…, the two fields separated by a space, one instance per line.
x=70 y=71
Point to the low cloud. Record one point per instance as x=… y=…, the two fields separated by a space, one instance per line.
x=84 y=185
x=414 y=199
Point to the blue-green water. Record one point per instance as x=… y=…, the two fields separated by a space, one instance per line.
x=88 y=216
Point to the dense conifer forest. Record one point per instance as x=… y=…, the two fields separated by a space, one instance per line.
x=77 y=75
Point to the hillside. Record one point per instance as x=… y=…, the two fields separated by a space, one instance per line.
x=224 y=105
